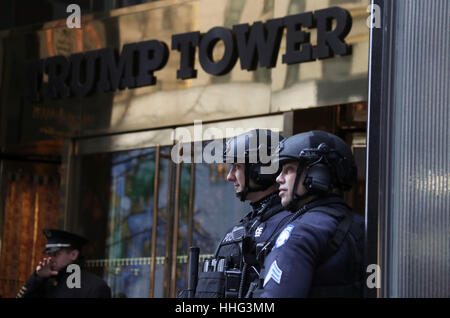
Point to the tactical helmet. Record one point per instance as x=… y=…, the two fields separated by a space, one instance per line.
x=255 y=149
x=328 y=161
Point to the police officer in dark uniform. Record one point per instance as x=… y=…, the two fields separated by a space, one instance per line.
x=54 y=276
x=319 y=252
x=232 y=270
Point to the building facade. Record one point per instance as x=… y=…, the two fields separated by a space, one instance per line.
x=90 y=117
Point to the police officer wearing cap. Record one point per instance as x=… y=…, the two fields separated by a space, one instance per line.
x=319 y=252
x=234 y=271
x=50 y=279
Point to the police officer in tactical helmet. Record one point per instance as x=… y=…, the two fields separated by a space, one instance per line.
x=319 y=252
x=246 y=153
x=234 y=267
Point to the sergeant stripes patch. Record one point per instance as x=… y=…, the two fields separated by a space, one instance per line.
x=274 y=272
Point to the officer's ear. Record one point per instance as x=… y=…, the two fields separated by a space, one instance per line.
x=73 y=254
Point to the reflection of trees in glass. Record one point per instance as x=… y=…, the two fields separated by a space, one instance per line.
x=132 y=198
x=202 y=236
x=130 y=213
x=162 y=221
x=216 y=208
x=183 y=223
x=162 y=208
x=130 y=218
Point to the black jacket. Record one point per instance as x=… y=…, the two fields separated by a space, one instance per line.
x=265 y=219
x=319 y=254
x=91 y=286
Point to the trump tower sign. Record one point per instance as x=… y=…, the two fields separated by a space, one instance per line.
x=105 y=70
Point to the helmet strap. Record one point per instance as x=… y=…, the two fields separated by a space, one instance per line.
x=242 y=195
x=293 y=203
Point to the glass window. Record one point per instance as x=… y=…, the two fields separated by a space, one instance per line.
x=117 y=197
x=215 y=211
x=196 y=206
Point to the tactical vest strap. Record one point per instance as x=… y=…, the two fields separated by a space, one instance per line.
x=305 y=209
x=344 y=227
x=271 y=212
x=345 y=221
x=242 y=238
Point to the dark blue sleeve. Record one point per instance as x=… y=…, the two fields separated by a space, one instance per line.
x=33 y=287
x=290 y=266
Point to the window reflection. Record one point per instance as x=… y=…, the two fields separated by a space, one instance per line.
x=215 y=210
x=123 y=219
x=216 y=206
x=121 y=222
x=130 y=219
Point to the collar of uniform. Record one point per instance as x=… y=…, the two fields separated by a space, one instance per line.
x=260 y=204
x=63 y=271
x=324 y=200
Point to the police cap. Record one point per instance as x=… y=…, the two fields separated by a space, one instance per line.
x=57 y=239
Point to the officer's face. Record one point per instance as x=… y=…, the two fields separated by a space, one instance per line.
x=62 y=258
x=237 y=176
x=286 y=181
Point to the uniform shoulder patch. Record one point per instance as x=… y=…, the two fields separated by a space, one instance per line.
x=274 y=273
x=284 y=236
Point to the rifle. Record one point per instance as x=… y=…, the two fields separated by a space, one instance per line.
x=194 y=253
